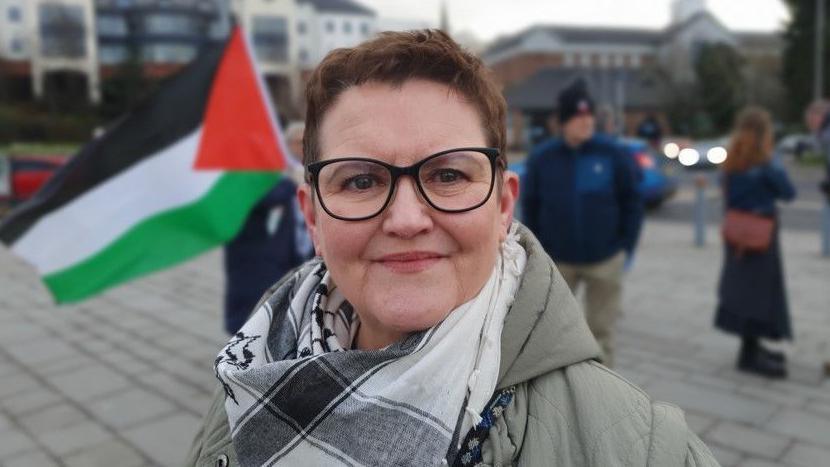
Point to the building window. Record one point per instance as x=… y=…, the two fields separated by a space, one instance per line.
x=62 y=30
x=168 y=53
x=329 y=26
x=303 y=55
x=112 y=25
x=347 y=27
x=271 y=38
x=179 y=24
x=635 y=61
x=14 y=14
x=300 y=27
x=364 y=29
x=16 y=46
x=110 y=54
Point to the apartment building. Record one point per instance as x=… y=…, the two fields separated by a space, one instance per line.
x=67 y=47
x=51 y=45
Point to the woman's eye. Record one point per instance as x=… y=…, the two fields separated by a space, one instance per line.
x=360 y=182
x=448 y=176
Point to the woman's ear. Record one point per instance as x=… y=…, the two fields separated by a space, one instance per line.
x=305 y=197
x=507 y=200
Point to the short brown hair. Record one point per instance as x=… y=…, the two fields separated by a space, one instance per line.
x=394 y=58
x=751 y=142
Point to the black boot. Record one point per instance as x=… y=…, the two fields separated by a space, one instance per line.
x=752 y=359
x=775 y=355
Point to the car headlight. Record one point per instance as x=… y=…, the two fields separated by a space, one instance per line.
x=689 y=157
x=716 y=155
x=671 y=150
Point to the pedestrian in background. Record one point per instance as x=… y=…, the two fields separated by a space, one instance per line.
x=650 y=130
x=751 y=294
x=272 y=242
x=817 y=118
x=580 y=198
x=606 y=123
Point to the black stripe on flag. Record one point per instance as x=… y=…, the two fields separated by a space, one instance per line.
x=174 y=111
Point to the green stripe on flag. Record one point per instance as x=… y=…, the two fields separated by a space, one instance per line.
x=166 y=238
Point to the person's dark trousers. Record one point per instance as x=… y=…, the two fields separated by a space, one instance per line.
x=754 y=358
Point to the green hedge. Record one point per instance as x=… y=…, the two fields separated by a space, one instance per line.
x=19 y=123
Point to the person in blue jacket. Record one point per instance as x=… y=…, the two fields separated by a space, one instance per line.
x=272 y=242
x=752 y=299
x=580 y=198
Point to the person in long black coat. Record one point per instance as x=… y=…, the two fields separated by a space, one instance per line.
x=752 y=294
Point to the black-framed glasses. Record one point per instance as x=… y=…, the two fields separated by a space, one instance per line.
x=359 y=188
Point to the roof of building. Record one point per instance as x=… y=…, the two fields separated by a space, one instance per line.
x=339 y=6
x=625 y=36
x=641 y=88
x=581 y=35
x=674 y=29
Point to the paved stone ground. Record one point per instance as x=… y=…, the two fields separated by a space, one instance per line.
x=124 y=378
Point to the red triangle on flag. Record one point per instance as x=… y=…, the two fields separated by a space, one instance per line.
x=238 y=132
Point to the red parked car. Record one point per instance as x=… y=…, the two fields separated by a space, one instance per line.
x=22 y=176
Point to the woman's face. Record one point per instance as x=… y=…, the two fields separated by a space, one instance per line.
x=405 y=269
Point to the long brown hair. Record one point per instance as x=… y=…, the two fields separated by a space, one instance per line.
x=751 y=142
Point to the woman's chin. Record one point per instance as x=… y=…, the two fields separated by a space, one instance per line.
x=412 y=315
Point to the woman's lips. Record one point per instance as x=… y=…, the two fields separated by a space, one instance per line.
x=410 y=262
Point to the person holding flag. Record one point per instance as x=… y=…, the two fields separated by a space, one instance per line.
x=273 y=241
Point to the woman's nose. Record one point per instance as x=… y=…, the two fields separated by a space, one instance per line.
x=407 y=214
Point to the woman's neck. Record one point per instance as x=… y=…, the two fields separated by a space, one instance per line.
x=370 y=338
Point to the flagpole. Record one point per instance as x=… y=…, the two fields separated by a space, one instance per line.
x=269 y=103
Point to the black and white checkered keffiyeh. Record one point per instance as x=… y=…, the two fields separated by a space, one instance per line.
x=296 y=395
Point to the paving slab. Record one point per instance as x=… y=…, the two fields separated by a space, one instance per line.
x=749 y=440
x=806 y=455
x=723 y=405
x=73 y=438
x=53 y=417
x=31 y=459
x=30 y=400
x=14 y=441
x=751 y=462
x=802 y=425
x=725 y=456
x=106 y=454
x=89 y=383
x=165 y=441
x=129 y=408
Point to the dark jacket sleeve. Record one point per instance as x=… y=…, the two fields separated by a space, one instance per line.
x=780 y=183
x=529 y=193
x=630 y=202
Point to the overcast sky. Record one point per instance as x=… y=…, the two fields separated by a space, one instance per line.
x=487 y=19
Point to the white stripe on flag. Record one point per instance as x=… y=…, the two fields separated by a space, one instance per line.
x=92 y=221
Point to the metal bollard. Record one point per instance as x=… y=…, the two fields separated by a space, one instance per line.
x=825 y=229
x=700 y=210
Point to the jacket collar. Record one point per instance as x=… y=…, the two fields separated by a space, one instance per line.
x=545 y=330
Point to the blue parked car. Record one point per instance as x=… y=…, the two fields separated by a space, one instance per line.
x=656 y=184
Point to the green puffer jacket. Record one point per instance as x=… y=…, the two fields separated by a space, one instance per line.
x=568 y=410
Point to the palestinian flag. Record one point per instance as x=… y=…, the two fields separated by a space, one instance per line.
x=172 y=179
